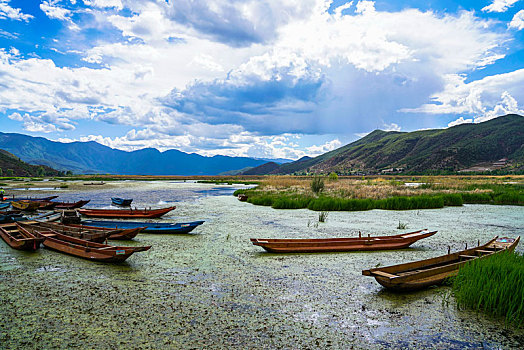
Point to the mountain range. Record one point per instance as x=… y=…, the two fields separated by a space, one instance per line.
x=92 y=157
x=452 y=149
x=10 y=165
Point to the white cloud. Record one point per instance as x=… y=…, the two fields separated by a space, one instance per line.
x=6 y=11
x=518 y=21
x=117 y=4
x=321 y=149
x=391 y=127
x=499 y=5
x=53 y=11
x=459 y=121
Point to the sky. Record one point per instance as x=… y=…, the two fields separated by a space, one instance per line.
x=258 y=78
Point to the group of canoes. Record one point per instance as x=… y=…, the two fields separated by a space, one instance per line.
x=403 y=277
x=86 y=239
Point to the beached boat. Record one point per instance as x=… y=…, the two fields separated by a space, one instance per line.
x=5 y=205
x=25 y=205
x=71 y=205
x=148 y=227
x=46 y=205
x=7 y=218
x=242 y=197
x=116 y=233
x=424 y=273
x=341 y=244
x=18 y=238
x=124 y=202
x=86 y=234
x=86 y=249
x=14 y=199
x=126 y=213
x=47 y=217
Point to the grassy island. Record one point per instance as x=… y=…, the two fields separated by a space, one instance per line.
x=396 y=193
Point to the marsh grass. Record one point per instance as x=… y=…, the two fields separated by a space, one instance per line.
x=494 y=285
x=402 y=225
x=322 y=216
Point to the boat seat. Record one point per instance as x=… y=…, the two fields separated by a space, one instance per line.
x=467 y=256
x=484 y=251
x=48 y=234
x=384 y=274
x=104 y=248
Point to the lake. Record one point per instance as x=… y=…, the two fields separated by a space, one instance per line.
x=213 y=289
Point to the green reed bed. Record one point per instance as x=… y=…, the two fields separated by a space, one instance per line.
x=494 y=285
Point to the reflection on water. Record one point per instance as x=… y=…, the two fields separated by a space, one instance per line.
x=214 y=289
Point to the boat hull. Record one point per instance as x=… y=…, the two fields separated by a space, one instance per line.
x=341 y=244
x=422 y=274
x=149 y=227
x=121 y=201
x=126 y=213
x=18 y=238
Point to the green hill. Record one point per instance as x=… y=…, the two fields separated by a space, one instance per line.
x=11 y=165
x=451 y=149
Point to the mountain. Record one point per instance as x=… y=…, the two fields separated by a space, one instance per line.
x=266 y=168
x=10 y=165
x=92 y=157
x=450 y=149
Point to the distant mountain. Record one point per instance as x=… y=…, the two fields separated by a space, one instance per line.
x=10 y=165
x=450 y=149
x=92 y=157
x=263 y=169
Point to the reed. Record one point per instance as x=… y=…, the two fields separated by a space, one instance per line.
x=494 y=285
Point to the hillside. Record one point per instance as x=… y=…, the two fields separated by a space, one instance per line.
x=10 y=165
x=450 y=149
x=92 y=157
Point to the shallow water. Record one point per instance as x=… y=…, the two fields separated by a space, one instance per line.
x=214 y=289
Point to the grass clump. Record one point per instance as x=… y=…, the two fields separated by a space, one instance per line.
x=494 y=285
x=402 y=225
x=322 y=216
x=317 y=184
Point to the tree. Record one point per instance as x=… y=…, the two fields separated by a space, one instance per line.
x=69 y=173
x=40 y=171
x=333 y=176
x=9 y=172
x=317 y=184
x=1 y=172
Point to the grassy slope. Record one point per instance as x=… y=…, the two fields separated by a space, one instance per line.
x=453 y=148
x=9 y=161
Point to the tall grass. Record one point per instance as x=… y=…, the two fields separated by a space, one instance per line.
x=494 y=285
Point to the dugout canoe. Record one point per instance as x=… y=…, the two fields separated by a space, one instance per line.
x=424 y=273
x=92 y=235
x=86 y=249
x=124 y=202
x=117 y=233
x=126 y=213
x=19 y=238
x=148 y=227
x=319 y=245
x=25 y=205
x=71 y=205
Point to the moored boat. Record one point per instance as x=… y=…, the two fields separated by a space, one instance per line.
x=116 y=233
x=5 y=205
x=124 y=202
x=147 y=227
x=424 y=273
x=317 y=245
x=86 y=249
x=71 y=205
x=126 y=213
x=25 y=205
x=18 y=238
x=14 y=199
x=92 y=235
x=7 y=218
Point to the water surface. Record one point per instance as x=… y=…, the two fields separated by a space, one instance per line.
x=214 y=289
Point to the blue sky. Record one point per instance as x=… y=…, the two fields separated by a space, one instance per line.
x=264 y=78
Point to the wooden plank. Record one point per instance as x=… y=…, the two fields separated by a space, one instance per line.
x=485 y=251
x=384 y=274
x=468 y=256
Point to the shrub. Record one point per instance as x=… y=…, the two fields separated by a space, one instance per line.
x=317 y=184
x=333 y=176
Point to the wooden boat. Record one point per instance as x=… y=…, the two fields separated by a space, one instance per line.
x=92 y=235
x=5 y=205
x=70 y=217
x=424 y=273
x=25 y=205
x=341 y=244
x=14 y=199
x=121 y=201
x=86 y=249
x=126 y=213
x=18 y=238
x=148 y=227
x=47 y=217
x=47 y=205
x=70 y=205
x=242 y=197
x=7 y=218
x=116 y=233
